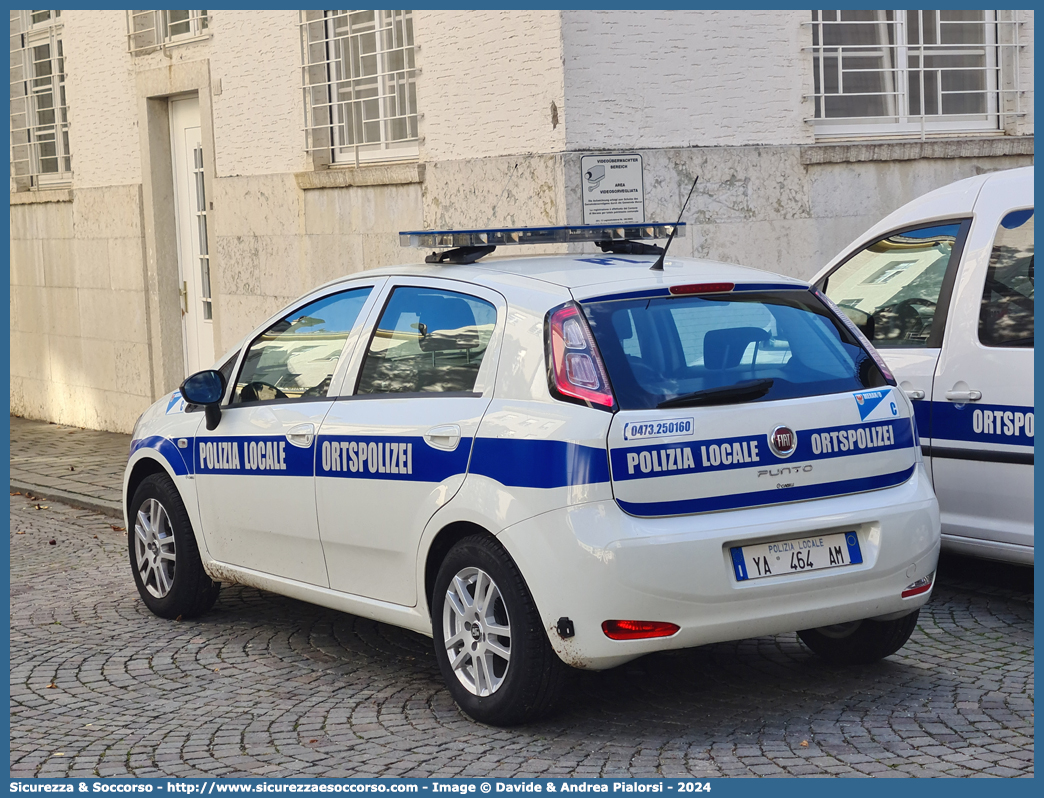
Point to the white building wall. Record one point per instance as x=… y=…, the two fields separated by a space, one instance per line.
x=653 y=79
x=487 y=82
x=1025 y=124
x=259 y=113
x=103 y=114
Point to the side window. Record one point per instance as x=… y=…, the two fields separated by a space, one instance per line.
x=227 y=366
x=1006 y=317
x=427 y=341
x=891 y=288
x=296 y=357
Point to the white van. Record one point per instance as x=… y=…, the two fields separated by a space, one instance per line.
x=943 y=288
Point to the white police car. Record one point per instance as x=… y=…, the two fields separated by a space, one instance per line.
x=571 y=459
x=944 y=288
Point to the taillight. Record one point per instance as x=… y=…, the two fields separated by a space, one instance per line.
x=922 y=585
x=638 y=630
x=576 y=371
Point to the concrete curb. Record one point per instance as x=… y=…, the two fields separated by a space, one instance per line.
x=111 y=509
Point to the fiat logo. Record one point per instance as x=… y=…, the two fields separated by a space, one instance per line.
x=782 y=441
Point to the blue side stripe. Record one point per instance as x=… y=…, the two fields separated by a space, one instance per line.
x=166 y=448
x=763 y=497
x=539 y=464
x=401 y=458
x=951 y=421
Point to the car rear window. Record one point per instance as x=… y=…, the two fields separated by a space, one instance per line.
x=662 y=349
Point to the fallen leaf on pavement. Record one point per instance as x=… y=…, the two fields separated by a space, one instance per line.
x=52 y=542
x=41 y=506
x=117 y=528
x=51 y=686
x=804 y=743
x=19 y=533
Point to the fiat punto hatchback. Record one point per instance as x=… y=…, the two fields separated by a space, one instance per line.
x=543 y=462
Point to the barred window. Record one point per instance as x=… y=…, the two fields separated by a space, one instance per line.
x=359 y=77
x=39 y=112
x=914 y=72
x=151 y=30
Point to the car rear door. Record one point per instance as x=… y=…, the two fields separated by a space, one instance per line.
x=982 y=441
x=396 y=443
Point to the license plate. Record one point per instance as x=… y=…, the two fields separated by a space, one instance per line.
x=796 y=555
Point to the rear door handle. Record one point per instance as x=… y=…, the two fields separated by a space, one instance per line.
x=446 y=437
x=964 y=396
x=915 y=395
x=301 y=435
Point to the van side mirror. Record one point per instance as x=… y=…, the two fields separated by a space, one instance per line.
x=206 y=388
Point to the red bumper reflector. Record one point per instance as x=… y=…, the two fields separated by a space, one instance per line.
x=922 y=585
x=701 y=288
x=638 y=630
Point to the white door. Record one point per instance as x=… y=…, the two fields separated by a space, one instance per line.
x=255 y=471
x=982 y=426
x=395 y=446
x=190 y=213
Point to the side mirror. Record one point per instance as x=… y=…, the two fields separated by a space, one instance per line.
x=206 y=388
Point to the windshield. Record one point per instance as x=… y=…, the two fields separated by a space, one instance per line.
x=658 y=350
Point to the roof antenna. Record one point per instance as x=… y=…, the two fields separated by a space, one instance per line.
x=658 y=266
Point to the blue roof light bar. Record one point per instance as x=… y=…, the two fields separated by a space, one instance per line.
x=503 y=236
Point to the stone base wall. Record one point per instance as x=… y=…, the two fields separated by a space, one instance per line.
x=79 y=347
x=791 y=209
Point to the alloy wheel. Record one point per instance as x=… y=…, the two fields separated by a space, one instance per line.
x=154 y=548
x=477 y=631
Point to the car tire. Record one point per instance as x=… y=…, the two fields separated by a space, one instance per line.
x=492 y=688
x=860 y=642
x=163 y=553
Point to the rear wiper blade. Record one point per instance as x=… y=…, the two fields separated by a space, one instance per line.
x=746 y=391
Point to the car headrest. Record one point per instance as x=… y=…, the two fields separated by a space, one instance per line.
x=722 y=349
x=447 y=324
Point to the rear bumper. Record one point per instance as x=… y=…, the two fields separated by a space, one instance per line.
x=593 y=563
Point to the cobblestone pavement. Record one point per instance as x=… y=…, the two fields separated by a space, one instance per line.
x=269 y=686
x=79 y=466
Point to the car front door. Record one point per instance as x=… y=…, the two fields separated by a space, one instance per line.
x=255 y=472
x=982 y=442
x=396 y=446
x=897 y=289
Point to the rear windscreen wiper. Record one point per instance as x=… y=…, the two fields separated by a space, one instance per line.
x=746 y=391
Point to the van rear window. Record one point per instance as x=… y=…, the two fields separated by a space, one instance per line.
x=726 y=348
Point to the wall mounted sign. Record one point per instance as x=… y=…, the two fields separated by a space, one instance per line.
x=613 y=188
